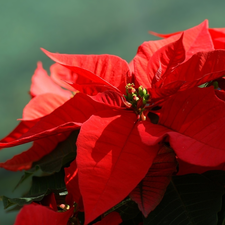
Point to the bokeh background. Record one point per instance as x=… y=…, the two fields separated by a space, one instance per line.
x=70 y=26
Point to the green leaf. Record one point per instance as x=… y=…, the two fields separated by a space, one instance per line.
x=221 y=214
x=15 y=208
x=128 y=209
x=217 y=176
x=41 y=186
x=191 y=199
x=26 y=175
x=215 y=85
x=44 y=184
x=8 y=202
x=64 y=152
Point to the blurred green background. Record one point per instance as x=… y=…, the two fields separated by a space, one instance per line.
x=85 y=27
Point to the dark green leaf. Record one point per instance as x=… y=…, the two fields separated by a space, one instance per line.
x=221 y=214
x=41 y=186
x=7 y=202
x=64 y=152
x=127 y=209
x=153 y=117
x=217 y=176
x=191 y=199
x=26 y=175
x=15 y=208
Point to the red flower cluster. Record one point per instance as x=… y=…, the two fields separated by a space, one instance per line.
x=139 y=123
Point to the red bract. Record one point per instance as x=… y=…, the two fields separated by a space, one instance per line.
x=42 y=83
x=47 y=96
x=114 y=155
x=71 y=181
x=195 y=40
x=38 y=214
x=111 y=219
x=159 y=66
x=42 y=105
x=169 y=67
x=151 y=189
x=67 y=117
x=217 y=36
x=198 y=118
x=120 y=152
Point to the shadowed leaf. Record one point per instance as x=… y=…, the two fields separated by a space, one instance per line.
x=151 y=189
x=191 y=199
x=41 y=186
x=64 y=152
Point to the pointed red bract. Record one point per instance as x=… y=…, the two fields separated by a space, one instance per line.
x=67 y=117
x=149 y=192
x=164 y=60
x=142 y=59
x=42 y=105
x=195 y=39
x=103 y=69
x=60 y=75
x=74 y=82
x=197 y=122
x=114 y=153
x=217 y=36
x=159 y=66
x=164 y=35
x=20 y=129
x=111 y=219
x=199 y=69
x=40 y=148
x=37 y=214
x=42 y=83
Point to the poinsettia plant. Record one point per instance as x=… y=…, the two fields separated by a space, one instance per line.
x=126 y=143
